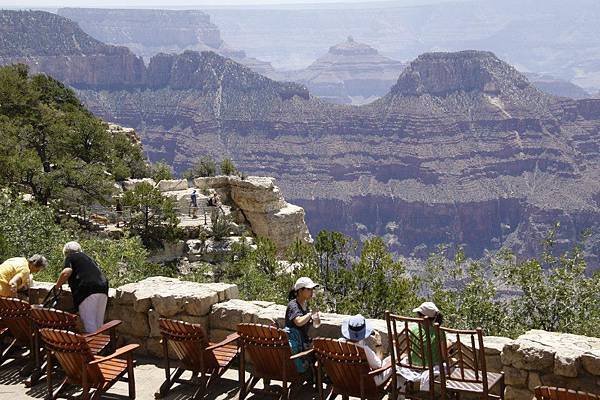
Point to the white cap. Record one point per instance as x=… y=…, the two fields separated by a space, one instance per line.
x=304 y=282
x=428 y=309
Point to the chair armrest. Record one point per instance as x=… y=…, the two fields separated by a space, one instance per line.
x=120 y=351
x=229 y=339
x=379 y=370
x=302 y=354
x=106 y=327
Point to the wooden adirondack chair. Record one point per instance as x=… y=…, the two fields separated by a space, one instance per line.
x=463 y=368
x=103 y=340
x=14 y=314
x=347 y=366
x=195 y=353
x=83 y=368
x=404 y=345
x=269 y=350
x=554 y=393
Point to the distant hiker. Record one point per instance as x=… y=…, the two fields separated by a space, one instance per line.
x=193 y=204
x=88 y=285
x=215 y=201
x=15 y=273
x=119 y=209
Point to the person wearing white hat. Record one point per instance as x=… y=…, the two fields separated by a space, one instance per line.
x=428 y=309
x=298 y=317
x=356 y=329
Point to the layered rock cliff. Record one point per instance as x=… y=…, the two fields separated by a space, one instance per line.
x=57 y=46
x=350 y=73
x=463 y=149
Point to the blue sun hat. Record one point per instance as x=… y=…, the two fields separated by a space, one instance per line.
x=356 y=328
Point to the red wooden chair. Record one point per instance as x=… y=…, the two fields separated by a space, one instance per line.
x=83 y=368
x=554 y=393
x=347 y=366
x=103 y=340
x=14 y=314
x=195 y=353
x=269 y=350
x=404 y=345
x=463 y=368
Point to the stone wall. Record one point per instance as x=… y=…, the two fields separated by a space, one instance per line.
x=535 y=358
x=551 y=359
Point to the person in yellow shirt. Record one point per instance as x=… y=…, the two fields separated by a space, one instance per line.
x=14 y=273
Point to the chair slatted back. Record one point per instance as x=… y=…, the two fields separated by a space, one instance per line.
x=346 y=365
x=465 y=356
x=52 y=318
x=406 y=344
x=269 y=349
x=189 y=342
x=15 y=314
x=554 y=393
x=73 y=353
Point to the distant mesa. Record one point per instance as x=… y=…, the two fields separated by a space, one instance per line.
x=350 y=73
x=470 y=70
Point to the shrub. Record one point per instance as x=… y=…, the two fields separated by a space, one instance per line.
x=227 y=167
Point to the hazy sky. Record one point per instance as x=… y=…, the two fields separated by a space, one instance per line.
x=182 y=3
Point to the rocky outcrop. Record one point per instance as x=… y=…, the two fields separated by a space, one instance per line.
x=551 y=359
x=262 y=206
x=350 y=73
x=58 y=47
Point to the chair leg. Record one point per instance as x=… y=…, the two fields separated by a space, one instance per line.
x=130 y=376
x=168 y=383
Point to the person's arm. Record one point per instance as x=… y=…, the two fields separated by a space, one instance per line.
x=63 y=277
x=15 y=282
x=303 y=320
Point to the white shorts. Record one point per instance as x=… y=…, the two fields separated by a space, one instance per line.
x=91 y=311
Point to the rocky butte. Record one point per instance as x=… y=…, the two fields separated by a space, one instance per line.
x=462 y=150
x=350 y=73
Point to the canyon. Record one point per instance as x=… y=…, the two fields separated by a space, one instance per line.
x=463 y=149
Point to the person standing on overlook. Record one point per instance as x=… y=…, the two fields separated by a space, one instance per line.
x=15 y=273
x=88 y=285
x=193 y=204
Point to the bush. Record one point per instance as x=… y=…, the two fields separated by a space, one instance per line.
x=161 y=171
x=227 y=167
x=205 y=166
x=221 y=225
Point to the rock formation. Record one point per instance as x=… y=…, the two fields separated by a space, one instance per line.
x=56 y=46
x=254 y=202
x=350 y=73
x=149 y=32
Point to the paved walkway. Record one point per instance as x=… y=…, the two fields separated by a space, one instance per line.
x=148 y=377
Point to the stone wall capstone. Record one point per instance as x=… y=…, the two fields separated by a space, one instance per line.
x=551 y=359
